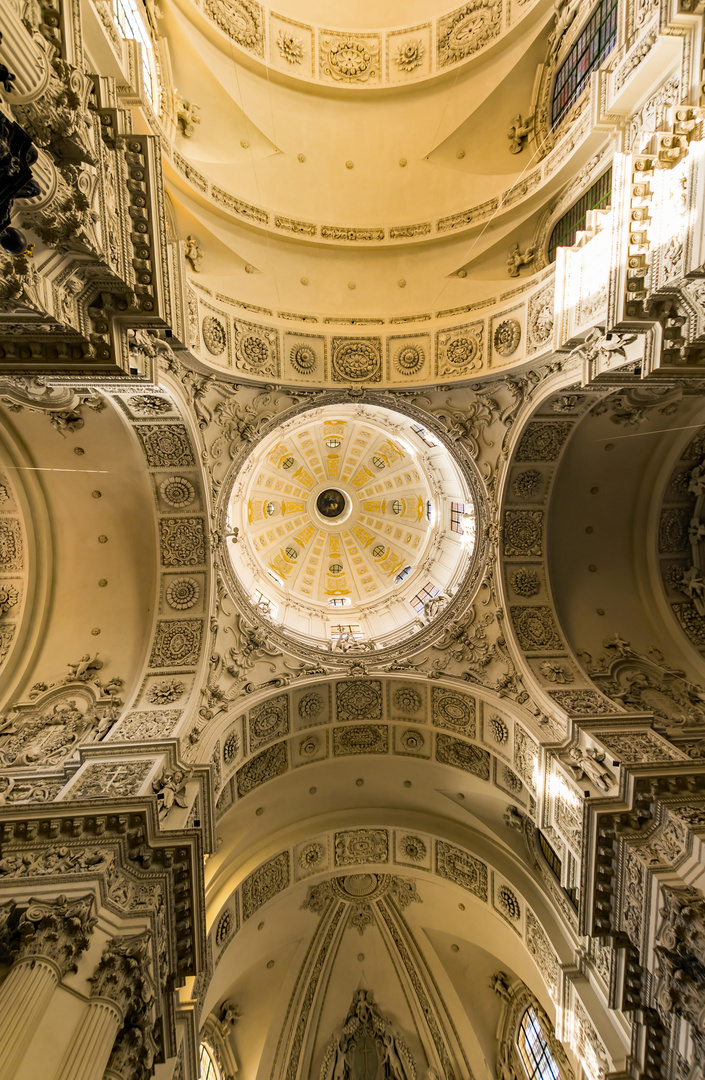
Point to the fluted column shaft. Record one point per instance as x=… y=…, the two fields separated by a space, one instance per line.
x=23 y=57
x=92 y=1042
x=24 y=998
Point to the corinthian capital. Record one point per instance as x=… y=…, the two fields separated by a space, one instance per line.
x=56 y=929
x=123 y=975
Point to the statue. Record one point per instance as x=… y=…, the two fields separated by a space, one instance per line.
x=518 y=133
x=516 y=259
x=500 y=984
x=367 y=1047
x=170 y=789
x=194 y=253
x=187 y=115
x=591 y=765
x=434 y=606
x=85 y=669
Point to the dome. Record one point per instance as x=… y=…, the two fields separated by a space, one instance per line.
x=355 y=526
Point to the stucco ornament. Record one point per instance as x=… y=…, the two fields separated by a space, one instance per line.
x=187 y=115
x=409 y=55
x=241 y=20
x=291 y=48
x=347 y=60
x=468 y=29
x=409 y=360
x=356 y=361
x=182 y=593
x=591 y=764
x=507 y=336
x=366 y=1028
x=177 y=491
x=214 y=335
x=303 y=359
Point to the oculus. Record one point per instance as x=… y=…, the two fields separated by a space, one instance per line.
x=330 y=503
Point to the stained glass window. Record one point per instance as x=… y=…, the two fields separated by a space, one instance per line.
x=597 y=39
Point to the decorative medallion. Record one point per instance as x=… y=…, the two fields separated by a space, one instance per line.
x=409 y=360
x=468 y=29
x=412 y=740
x=166 y=691
x=407 y=700
x=453 y=711
x=362 y=846
x=182 y=541
x=359 y=699
x=149 y=403
x=347 y=60
x=214 y=335
x=177 y=491
x=8 y=598
x=269 y=721
x=462 y=351
x=291 y=48
x=176 y=644
x=525 y=582
x=527 y=484
x=540 y=325
x=231 y=747
x=507 y=337
x=409 y=55
x=166 y=446
x=498 y=730
x=303 y=359
x=356 y=361
x=543 y=441
x=182 y=593
x=311 y=855
x=535 y=628
x=310 y=706
x=413 y=848
x=241 y=20
x=523 y=532
x=224 y=928
x=508 y=904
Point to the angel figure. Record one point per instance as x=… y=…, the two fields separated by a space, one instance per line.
x=591 y=764
x=170 y=789
x=516 y=259
x=85 y=669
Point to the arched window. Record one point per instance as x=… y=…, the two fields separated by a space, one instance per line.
x=598 y=38
x=208 y=1064
x=533 y=1049
x=565 y=231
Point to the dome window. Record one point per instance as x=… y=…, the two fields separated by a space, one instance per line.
x=379 y=462
x=335 y=568
x=333 y=442
x=396 y=507
x=287 y=462
x=378 y=551
x=269 y=508
x=292 y=553
x=402 y=574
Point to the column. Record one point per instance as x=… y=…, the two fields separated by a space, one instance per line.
x=45 y=942
x=24 y=57
x=121 y=986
